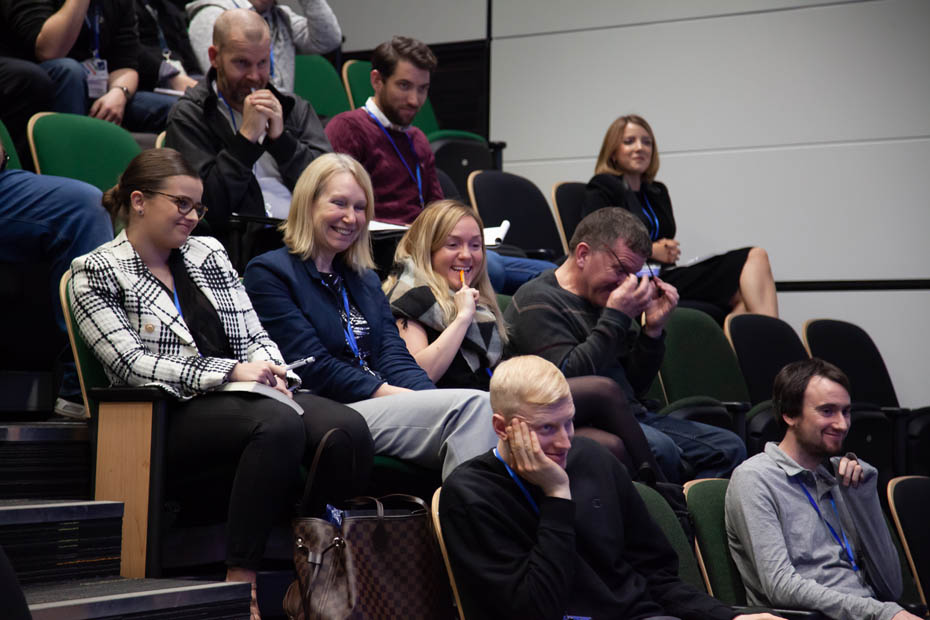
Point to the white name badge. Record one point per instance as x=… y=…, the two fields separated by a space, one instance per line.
x=95 y=70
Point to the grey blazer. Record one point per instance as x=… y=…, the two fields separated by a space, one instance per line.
x=131 y=323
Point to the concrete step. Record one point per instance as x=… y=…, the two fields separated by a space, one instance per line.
x=125 y=599
x=49 y=541
x=49 y=460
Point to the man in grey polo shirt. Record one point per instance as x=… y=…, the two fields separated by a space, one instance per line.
x=804 y=525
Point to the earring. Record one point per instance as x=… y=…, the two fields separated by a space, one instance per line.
x=140 y=211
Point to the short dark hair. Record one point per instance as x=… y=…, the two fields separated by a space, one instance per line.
x=147 y=171
x=386 y=56
x=603 y=227
x=791 y=382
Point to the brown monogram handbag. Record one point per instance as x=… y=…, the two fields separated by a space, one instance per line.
x=382 y=562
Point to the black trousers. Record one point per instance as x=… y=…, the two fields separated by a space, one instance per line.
x=25 y=89
x=250 y=449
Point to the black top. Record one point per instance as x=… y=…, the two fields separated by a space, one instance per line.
x=22 y=20
x=651 y=204
x=599 y=554
x=199 y=314
x=173 y=24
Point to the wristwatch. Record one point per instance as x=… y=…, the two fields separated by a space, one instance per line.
x=125 y=92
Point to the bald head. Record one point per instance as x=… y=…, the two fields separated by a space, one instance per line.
x=240 y=24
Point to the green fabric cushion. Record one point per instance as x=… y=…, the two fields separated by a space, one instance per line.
x=665 y=518
x=706 y=505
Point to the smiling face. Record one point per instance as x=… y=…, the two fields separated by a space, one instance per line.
x=462 y=250
x=161 y=223
x=554 y=427
x=634 y=153
x=819 y=431
x=602 y=271
x=242 y=64
x=401 y=95
x=339 y=214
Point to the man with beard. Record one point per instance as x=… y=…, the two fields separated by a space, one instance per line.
x=804 y=525
x=248 y=141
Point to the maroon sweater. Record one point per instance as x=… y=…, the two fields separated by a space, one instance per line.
x=396 y=197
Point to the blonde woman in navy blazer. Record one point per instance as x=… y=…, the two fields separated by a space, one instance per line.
x=161 y=308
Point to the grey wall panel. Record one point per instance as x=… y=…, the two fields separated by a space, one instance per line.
x=833 y=73
x=366 y=23
x=528 y=17
x=843 y=211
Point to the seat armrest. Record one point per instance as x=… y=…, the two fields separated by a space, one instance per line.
x=541 y=254
x=244 y=218
x=127 y=394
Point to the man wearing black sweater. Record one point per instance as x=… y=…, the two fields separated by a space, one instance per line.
x=579 y=317
x=547 y=527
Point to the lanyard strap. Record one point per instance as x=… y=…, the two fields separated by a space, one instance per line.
x=653 y=218
x=165 y=50
x=232 y=115
x=95 y=29
x=844 y=543
x=417 y=178
x=350 y=335
x=516 y=479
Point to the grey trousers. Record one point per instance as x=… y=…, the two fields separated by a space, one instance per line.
x=431 y=428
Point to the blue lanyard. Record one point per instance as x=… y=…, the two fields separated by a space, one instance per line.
x=232 y=116
x=653 y=218
x=416 y=178
x=844 y=543
x=177 y=302
x=165 y=50
x=95 y=29
x=516 y=479
x=350 y=335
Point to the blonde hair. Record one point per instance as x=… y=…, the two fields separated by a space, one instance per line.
x=426 y=235
x=301 y=235
x=527 y=381
x=613 y=137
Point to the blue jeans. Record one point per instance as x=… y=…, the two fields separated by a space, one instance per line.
x=146 y=111
x=55 y=219
x=508 y=273
x=713 y=452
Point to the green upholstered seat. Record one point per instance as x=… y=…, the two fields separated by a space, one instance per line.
x=665 y=518
x=317 y=81
x=706 y=504
x=9 y=147
x=80 y=147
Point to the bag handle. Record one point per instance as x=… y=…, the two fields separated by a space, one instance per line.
x=318 y=455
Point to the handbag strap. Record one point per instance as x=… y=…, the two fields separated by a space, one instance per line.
x=318 y=455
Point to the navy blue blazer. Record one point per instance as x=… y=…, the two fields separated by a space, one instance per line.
x=302 y=316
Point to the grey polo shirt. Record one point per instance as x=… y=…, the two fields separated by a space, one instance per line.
x=786 y=554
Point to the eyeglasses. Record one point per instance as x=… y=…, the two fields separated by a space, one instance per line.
x=619 y=269
x=185 y=205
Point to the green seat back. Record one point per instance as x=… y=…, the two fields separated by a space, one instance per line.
x=699 y=360
x=90 y=370
x=82 y=147
x=316 y=81
x=503 y=301
x=665 y=518
x=706 y=504
x=9 y=147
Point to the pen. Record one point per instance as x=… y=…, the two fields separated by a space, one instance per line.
x=462 y=276
x=299 y=363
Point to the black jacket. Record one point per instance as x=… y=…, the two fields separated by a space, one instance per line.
x=224 y=160
x=610 y=190
x=599 y=554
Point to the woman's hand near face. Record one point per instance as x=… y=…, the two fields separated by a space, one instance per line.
x=666 y=251
x=466 y=299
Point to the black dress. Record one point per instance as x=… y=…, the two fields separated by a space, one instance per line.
x=713 y=280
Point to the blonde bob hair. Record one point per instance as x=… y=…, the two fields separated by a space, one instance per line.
x=606 y=164
x=301 y=232
x=527 y=381
x=426 y=235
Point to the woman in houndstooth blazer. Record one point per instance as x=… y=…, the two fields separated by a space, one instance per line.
x=161 y=308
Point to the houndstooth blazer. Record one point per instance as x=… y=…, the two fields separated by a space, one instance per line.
x=130 y=322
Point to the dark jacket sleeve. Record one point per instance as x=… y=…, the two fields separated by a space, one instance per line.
x=598 y=195
x=224 y=162
x=488 y=562
x=302 y=141
x=394 y=360
x=652 y=556
x=124 y=49
x=22 y=21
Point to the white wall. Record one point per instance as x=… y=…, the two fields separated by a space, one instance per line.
x=803 y=127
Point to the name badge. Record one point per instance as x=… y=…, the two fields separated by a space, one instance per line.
x=95 y=70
